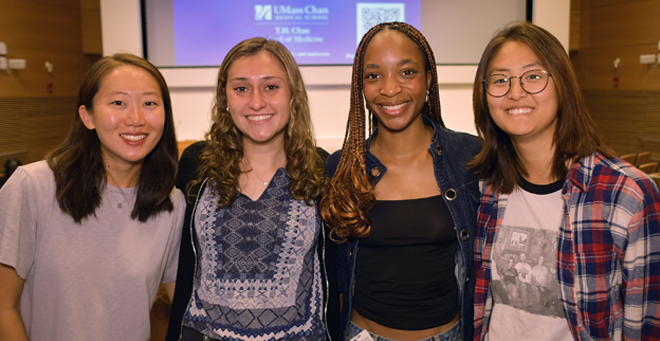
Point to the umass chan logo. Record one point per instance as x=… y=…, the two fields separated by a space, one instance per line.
x=263 y=12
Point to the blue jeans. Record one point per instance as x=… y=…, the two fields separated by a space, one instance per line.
x=451 y=334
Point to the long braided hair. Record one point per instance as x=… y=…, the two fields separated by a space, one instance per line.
x=350 y=194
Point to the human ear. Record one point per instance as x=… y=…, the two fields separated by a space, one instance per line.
x=86 y=117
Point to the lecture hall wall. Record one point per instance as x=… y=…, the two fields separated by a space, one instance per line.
x=601 y=32
x=63 y=32
x=71 y=34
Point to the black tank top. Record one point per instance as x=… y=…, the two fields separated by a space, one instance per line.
x=404 y=276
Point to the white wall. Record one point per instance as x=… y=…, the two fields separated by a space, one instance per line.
x=554 y=16
x=328 y=87
x=121 y=27
x=458 y=30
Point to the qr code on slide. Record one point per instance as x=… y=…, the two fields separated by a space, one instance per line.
x=370 y=14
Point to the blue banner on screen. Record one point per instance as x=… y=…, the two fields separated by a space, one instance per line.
x=316 y=32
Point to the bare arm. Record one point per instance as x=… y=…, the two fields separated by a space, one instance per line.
x=11 y=287
x=169 y=289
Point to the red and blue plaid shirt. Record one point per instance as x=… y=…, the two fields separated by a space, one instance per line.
x=607 y=257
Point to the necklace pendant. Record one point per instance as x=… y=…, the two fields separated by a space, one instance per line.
x=265 y=183
x=119 y=205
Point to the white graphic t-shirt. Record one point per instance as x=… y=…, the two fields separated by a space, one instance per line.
x=524 y=277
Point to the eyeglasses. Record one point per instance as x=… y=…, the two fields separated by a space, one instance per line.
x=532 y=81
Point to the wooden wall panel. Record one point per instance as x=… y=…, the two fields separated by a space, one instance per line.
x=585 y=24
x=91 y=27
x=629 y=115
x=629 y=120
x=655 y=23
x=73 y=4
x=654 y=78
x=44 y=26
x=574 y=31
x=622 y=24
x=580 y=56
x=68 y=71
x=601 y=72
x=654 y=72
x=34 y=124
x=605 y=3
x=652 y=133
x=40 y=31
x=32 y=119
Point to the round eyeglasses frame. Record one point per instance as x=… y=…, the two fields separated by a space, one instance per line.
x=522 y=84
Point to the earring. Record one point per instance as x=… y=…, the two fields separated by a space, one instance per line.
x=228 y=108
x=427 y=97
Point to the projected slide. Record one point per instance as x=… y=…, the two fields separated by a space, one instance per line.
x=316 y=32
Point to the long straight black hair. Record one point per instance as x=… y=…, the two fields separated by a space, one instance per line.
x=78 y=166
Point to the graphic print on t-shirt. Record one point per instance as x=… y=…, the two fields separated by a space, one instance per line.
x=524 y=284
x=524 y=272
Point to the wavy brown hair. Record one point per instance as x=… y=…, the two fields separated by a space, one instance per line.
x=77 y=163
x=350 y=194
x=222 y=155
x=576 y=135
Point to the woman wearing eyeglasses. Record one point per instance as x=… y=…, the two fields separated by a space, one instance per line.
x=568 y=236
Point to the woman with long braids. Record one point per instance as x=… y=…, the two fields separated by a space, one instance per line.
x=249 y=267
x=404 y=197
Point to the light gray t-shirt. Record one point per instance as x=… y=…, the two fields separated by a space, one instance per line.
x=91 y=281
x=527 y=304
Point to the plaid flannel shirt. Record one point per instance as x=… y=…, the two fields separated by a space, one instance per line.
x=607 y=257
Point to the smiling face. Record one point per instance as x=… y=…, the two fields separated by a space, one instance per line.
x=395 y=80
x=128 y=115
x=525 y=117
x=258 y=97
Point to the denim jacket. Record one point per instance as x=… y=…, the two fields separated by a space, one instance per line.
x=459 y=187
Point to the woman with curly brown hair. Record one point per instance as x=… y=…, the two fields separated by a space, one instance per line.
x=249 y=268
x=404 y=197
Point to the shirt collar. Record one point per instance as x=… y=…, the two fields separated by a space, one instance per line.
x=581 y=171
